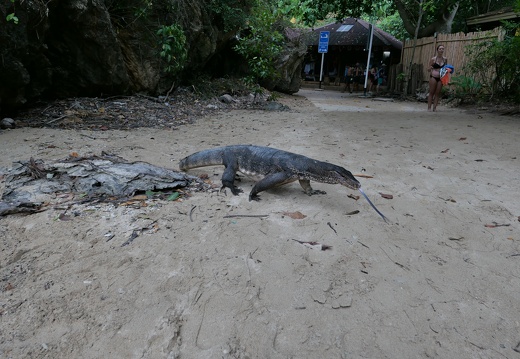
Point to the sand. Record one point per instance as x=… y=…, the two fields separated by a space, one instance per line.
x=217 y=276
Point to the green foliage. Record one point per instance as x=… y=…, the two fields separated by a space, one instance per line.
x=125 y=14
x=228 y=13
x=437 y=15
x=496 y=64
x=261 y=43
x=310 y=11
x=143 y=10
x=393 y=24
x=12 y=16
x=401 y=77
x=466 y=88
x=172 y=42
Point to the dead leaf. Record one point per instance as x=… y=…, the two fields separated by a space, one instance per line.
x=74 y=154
x=322 y=247
x=445 y=151
x=353 y=212
x=139 y=197
x=462 y=139
x=386 y=196
x=294 y=215
x=355 y=198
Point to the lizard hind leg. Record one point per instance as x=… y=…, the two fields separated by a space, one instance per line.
x=270 y=181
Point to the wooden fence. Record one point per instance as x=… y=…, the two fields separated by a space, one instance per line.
x=425 y=49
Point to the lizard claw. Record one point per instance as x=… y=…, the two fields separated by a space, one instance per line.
x=316 y=191
x=254 y=197
x=235 y=190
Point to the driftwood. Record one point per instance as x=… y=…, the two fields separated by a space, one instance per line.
x=31 y=183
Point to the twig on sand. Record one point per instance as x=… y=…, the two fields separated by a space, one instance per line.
x=191 y=213
x=56 y=119
x=133 y=236
x=246 y=216
x=396 y=263
x=330 y=225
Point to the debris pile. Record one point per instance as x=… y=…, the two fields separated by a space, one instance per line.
x=34 y=185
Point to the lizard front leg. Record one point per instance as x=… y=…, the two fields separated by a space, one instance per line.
x=306 y=185
x=228 y=180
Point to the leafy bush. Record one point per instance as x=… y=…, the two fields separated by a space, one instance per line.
x=466 y=88
x=261 y=43
x=495 y=64
x=229 y=13
x=173 y=47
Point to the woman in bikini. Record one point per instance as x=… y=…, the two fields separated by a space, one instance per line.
x=434 y=68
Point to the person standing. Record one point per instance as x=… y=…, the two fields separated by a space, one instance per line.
x=357 y=74
x=381 y=75
x=435 y=85
x=372 y=76
x=347 y=75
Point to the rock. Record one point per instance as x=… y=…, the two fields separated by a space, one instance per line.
x=7 y=123
x=76 y=48
x=275 y=106
x=227 y=98
x=289 y=64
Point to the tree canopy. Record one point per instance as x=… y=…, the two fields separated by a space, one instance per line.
x=426 y=17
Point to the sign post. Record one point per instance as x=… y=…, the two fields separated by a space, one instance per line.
x=323 y=47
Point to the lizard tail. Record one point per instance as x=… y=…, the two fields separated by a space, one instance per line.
x=212 y=157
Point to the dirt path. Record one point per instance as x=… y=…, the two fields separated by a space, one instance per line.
x=435 y=282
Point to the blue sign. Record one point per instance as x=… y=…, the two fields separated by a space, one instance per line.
x=323 y=45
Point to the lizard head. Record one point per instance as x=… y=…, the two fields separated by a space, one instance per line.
x=338 y=175
x=346 y=178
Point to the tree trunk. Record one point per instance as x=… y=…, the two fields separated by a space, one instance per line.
x=409 y=75
x=442 y=23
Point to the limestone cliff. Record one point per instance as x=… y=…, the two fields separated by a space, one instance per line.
x=99 y=47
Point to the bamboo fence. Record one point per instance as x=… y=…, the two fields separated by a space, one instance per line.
x=425 y=48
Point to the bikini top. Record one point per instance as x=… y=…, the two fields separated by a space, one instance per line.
x=437 y=66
